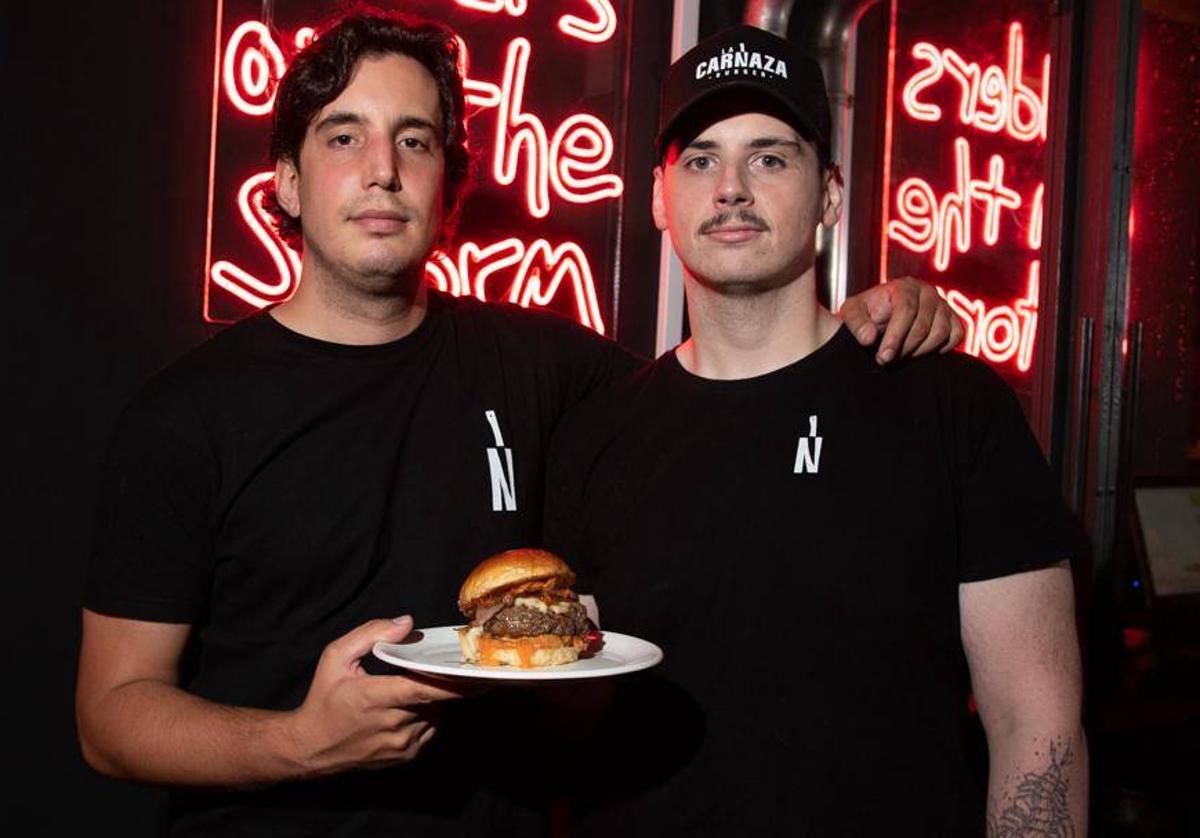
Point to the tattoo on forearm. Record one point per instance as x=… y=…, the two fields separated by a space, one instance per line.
x=1038 y=806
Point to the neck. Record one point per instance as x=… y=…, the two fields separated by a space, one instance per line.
x=331 y=311
x=745 y=336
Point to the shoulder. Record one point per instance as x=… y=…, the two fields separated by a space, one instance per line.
x=509 y=321
x=175 y=396
x=592 y=425
x=955 y=380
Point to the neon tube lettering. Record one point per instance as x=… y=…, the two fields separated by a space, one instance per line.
x=996 y=196
x=1034 y=238
x=581 y=144
x=1003 y=333
x=924 y=223
x=516 y=8
x=593 y=31
x=243 y=284
x=478 y=93
x=922 y=79
x=476 y=266
x=251 y=70
x=993 y=99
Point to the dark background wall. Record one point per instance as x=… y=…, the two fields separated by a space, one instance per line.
x=104 y=176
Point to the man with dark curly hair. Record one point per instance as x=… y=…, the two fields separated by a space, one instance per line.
x=346 y=454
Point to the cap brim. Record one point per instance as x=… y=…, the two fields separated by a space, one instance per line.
x=801 y=121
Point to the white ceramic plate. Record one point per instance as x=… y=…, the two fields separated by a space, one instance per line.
x=437 y=652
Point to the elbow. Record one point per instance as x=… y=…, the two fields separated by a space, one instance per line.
x=1054 y=716
x=95 y=751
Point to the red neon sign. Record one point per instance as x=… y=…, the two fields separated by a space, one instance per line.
x=545 y=160
x=992 y=99
x=975 y=210
x=596 y=30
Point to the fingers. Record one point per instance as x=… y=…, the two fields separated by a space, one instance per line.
x=406 y=691
x=938 y=339
x=928 y=303
x=857 y=317
x=347 y=649
x=905 y=297
x=956 y=330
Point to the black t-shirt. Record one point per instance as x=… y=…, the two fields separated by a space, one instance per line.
x=275 y=491
x=795 y=543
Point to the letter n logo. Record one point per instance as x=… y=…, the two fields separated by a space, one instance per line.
x=808 y=451
x=500 y=463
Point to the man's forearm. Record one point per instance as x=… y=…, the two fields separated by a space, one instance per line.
x=154 y=732
x=1038 y=784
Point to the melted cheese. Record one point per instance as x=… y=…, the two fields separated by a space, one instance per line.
x=536 y=604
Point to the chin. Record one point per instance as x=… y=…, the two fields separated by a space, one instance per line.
x=744 y=285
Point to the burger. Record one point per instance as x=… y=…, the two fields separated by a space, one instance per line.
x=522 y=611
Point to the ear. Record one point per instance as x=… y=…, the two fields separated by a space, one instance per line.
x=287 y=187
x=658 y=207
x=831 y=202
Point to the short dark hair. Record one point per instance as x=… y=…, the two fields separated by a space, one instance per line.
x=321 y=71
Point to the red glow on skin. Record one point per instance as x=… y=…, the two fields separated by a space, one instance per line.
x=570 y=164
x=991 y=99
x=252 y=67
x=469 y=274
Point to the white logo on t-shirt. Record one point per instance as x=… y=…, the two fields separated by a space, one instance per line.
x=808 y=452
x=504 y=483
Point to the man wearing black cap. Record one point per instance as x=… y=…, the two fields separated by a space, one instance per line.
x=822 y=638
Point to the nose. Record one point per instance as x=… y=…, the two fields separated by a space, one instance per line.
x=733 y=188
x=381 y=166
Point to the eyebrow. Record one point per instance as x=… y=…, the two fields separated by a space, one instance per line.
x=758 y=142
x=771 y=142
x=350 y=118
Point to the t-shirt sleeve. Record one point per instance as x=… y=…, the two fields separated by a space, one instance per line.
x=583 y=361
x=1011 y=515
x=151 y=553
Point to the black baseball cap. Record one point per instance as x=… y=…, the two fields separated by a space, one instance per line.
x=746 y=58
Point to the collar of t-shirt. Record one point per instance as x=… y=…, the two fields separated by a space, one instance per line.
x=388 y=350
x=840 y=349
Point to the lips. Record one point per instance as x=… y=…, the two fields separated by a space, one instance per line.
x=733 y=234
x=380 y=220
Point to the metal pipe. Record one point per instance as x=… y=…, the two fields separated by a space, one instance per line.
x=771 y=15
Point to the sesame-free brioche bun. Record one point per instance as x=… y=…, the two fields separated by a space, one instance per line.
x=521 y=571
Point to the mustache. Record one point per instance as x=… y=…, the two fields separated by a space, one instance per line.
x=743 y=216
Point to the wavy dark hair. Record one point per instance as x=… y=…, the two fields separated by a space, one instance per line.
x=321 y=71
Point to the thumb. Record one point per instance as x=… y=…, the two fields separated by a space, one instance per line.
x=353 y=645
